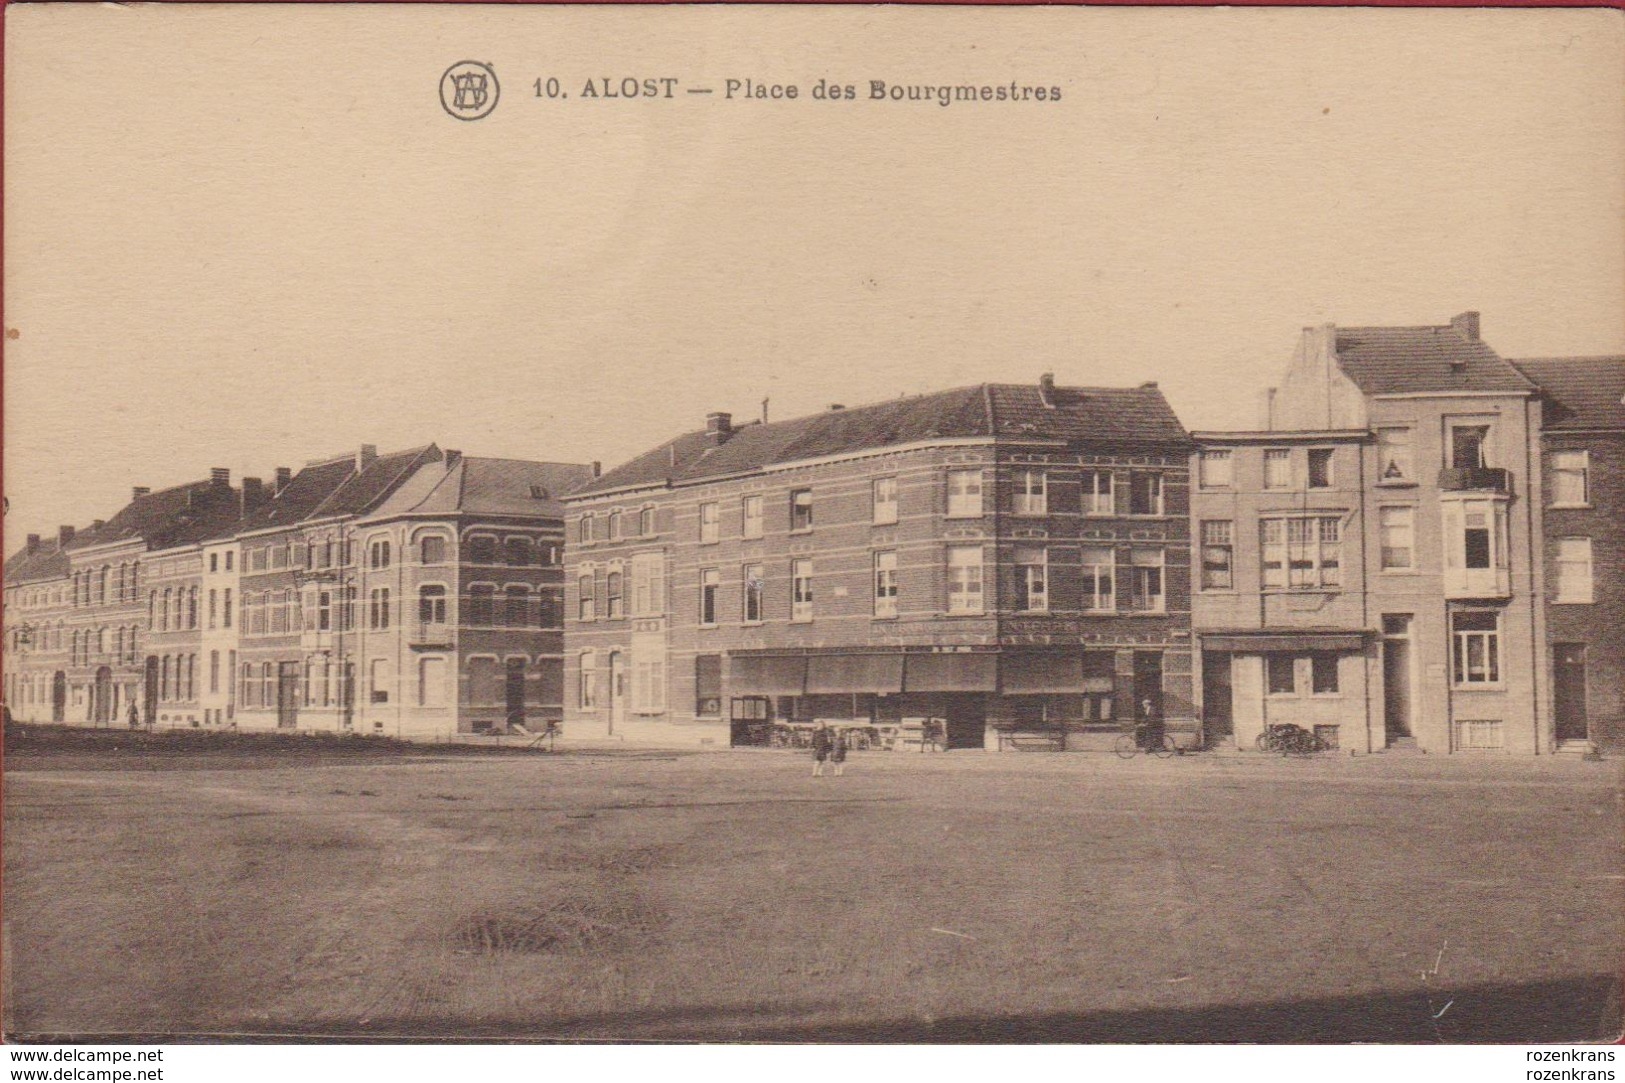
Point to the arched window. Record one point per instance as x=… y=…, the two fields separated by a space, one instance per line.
x=480 y=549
x=646 y=521
x=433 y=548
x=614 y=525
x=614 y=602
x=163 y=680
x=516 y=551
x=481 y=606
x=163 y=609
x=191 y=608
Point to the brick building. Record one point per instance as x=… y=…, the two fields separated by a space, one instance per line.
x=1583 y=447
x=1011 y=559
x=1370 y=563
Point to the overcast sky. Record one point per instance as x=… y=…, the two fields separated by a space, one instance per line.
x=252 y=237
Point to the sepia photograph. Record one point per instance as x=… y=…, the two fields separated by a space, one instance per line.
x=832 y=525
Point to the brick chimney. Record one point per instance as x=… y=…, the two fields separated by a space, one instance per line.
x=33 y=542
x=718 y=427
x=1046 y=390
x=366 y=456
x=64 y=535
x=597 y=468
x=1466 y=325
x=283 y=476
x=140 y=491
x=97 y=524
x=219 y=475
x=452 y=457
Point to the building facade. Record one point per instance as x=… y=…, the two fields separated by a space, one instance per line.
x=1583 y=450
x=1011 y=560
x=1383 y=535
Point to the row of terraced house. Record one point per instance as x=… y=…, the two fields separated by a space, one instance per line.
x=1417 y=548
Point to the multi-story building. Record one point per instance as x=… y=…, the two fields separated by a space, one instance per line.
x=1011 y=559
x=1583 y=447
x=1369 y=564
x=461 y=582
x=208 y=606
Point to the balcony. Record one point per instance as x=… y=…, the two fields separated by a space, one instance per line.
x=1480 y=479
x=429 y=634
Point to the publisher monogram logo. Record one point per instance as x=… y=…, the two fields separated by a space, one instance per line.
x=469 y=90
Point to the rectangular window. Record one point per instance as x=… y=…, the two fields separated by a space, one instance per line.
x=752 y=526
x=649 y=685
x=1323 y=673
x=1574 y=582
x=1147 y=586
x=587 y=684
x=433 y=548
x=1476 y=539
x=214 y=671
x=1398 y=528
x=228 y=560
x=649 y=585
x=1393 y=455
x=885 y=500
x=1099 y=572
x=965 y=579
x=1320 y=468
x=1145 y=493
x=432 y=682
x=324 y=611
x=1467 y=446
x=214 y=562
x=1571 y=478
x=801 y=510
x=214 y=606
x=585 y=607
x=1301 y=552
x=1032 y=580
x=708 y=685
x=964 y=493
x=710 y=583
x=377 y=609
x=886 y=584
x=801 y=590
x=380 y=680
x=1281 y=674
x=614 y=602
x=1218 y=555
x=1277 y=468
x=755 y=589
x=709 y=523
x=1477 y=642
x=1217 y=470
x=1031 y=493
x=1099 y=493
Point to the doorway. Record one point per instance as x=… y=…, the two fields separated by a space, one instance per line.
x=59 y=697
x=287 y=695
x=1396 y=676
x=149 y=692
x=515 y=692
x=1147 y=685
x=617 y=690
x=1569 y=691
x=101 y=697
x=1217 y=718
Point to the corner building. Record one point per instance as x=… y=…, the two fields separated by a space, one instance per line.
x=1010 y=559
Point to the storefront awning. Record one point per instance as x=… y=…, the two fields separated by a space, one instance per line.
x=1261 y=642
x=767 y=675
x=951 y=673
x=878 y=673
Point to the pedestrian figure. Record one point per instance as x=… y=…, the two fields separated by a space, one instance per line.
x=821 y=746
x=837 y=754
x=134 y=716
x=1151 y=727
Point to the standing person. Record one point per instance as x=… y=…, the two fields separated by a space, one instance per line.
x=134 y=716
x=837 y=754
x=1150 y=724
x=821 y=745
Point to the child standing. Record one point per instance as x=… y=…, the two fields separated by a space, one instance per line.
x=837 y=754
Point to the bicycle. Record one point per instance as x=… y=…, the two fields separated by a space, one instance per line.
x=1128 y=744
x=1289 y=739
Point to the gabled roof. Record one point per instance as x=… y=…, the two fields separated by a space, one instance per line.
x=1579 y=392
x=478 y=486
x=1411 y=360
x=47 y=561
x=182 y=515
x=1137 y=416
x=336 y=487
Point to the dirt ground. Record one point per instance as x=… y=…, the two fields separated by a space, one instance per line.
x=278 y=889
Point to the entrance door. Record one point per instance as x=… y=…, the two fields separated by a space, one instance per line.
x=515 y=699
x=1217 y=719
x=1569 y=689
x=59 y=697
x=1147 y=684
x=617 y=690
x=101 y=694
x=149 y=692
x=1396 y=676
x=287 y=695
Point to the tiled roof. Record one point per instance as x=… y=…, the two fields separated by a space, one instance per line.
x=490 y=487
x=336 y=487
x=1135 y=416
x=303 y=494
x=45 y=562
x=1400 y=360
x=1579 y=392
x=182 y=515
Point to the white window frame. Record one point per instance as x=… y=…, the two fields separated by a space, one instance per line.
x=710 y=523
x=1282 y=456
x=801 y=590
x=1096 y=502
x=710 y=581
x=1032 y=579
x=965 y=500
x=750 y=526
x=1288 y=555
x=1406 y=514
x=1209 y=477
x=1031 y=493
x=754 y=586
x=649 y=585
x=587 y=682
x=1574 y=587
x=1099 y=601
x=883 y=500
x=885 y=583
x=1582 y=472
x=1161 y=503
x=1141 y=569
x=1309 y=468
x=967 y=579
x=1462 y=672
x=1214 y=539
x=796 y=504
